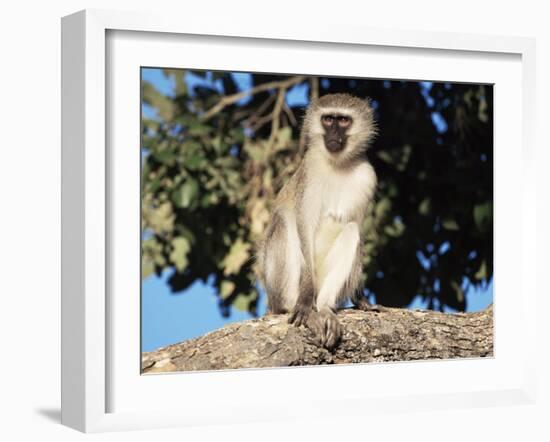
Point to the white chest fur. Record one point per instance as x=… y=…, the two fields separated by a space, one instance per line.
x=340 y=194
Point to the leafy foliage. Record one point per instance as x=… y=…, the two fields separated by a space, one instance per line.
x=208 y=182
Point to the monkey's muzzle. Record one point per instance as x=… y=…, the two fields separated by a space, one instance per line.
x=335 y=144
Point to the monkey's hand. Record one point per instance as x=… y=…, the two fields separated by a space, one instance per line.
x=300 y=314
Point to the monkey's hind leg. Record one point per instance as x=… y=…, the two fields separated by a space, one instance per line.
x=335 y=272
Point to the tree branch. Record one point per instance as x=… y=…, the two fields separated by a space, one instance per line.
x=290 y=114
x=275 y=122
x=392 y=335
x=256 y=120
x=232 y=99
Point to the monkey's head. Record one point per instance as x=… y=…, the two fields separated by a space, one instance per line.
x=340 y=124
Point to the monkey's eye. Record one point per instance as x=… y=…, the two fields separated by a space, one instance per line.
x=327 y=120
x=344 y=121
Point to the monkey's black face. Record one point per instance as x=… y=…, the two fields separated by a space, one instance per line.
x=336 y=126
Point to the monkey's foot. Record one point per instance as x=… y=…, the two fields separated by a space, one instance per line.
x=366 y=306
x=331 y=328
x=316 y=325
x=324 y=325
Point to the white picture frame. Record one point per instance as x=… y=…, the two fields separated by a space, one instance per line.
x=88 y=317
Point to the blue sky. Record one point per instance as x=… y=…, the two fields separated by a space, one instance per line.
x=168 y=318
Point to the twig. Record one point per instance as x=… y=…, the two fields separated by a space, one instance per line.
x=261 y=121
x=290 y=114
x=263 y=106
x=275 y=122
x=231 y=99
x=255 y=121
x=314 y=88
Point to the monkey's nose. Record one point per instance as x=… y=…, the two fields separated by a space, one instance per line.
x=334 y=145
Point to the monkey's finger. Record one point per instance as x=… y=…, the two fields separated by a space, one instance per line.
x=292 y=317
x=298 y=317
x=327 y=339
x=302 y=318
x=316 y=336
x=316 y=326
x=331 y=339
x=333 y=333
x=295 y=320
x=326 y=332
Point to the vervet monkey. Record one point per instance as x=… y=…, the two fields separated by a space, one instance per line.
x=310 y=259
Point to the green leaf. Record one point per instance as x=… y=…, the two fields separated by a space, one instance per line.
x=198 y=129
x=483 y=106
x=161 y=219
x=255 y=151
x=382 y=207
x=483 y=215
x=242 y=302
x=283 y=138
x=405 y=156
x=165 y=156
x=424 y=207
x=396 y=229
x=450 y=224
x=482 y=272
x=161 y=103
x=147 y=267
x=458 y=290
x=385 y=156
x=186 y=233
x=209 y=199
x=178 y=76
x=195 y=162
x=226 y=288
x=151 y=257
x=186 y=194
x=180 y=249
x=237 y=256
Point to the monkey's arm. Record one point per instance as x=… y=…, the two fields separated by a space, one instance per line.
x=307 y=290
x=306 y=299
